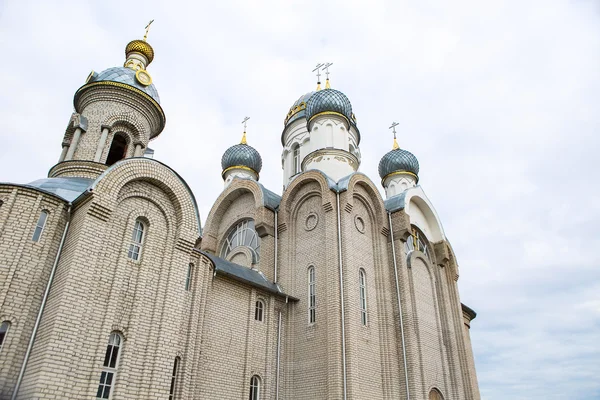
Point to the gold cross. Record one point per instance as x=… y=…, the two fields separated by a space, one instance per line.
x=147 y=29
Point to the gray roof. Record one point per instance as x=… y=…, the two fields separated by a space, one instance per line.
x=67 y=189
x=395 y=203
x=271 y=199
x=244 y=155
x=303 y=99
x=245 y=275
x=398 y=160
x=328 y=100
x=126 y=76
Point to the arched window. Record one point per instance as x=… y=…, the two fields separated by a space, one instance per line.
x=296 y=159
x=39 y=227
x=243 y=234
x=118 y=149
x=4 y=327
x=173 y=390
x=311 y=295
x=137 y=238
x=188 y=278
x=362 y=281
x=258 y=311
x=255 y=388
x=417 y=241
x=435 y=395
x=109 y=367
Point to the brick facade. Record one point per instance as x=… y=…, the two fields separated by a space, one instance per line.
x=209 y=322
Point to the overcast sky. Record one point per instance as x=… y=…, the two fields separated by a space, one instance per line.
x=498 y=100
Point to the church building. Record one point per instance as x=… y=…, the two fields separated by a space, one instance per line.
x=110 y=288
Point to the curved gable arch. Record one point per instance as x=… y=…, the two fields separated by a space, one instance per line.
x=289 y=196
x=109 y=184
x=374 y=201
x=236 y=189
x=423 y=215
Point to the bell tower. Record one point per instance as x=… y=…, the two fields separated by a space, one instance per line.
x=117 y=113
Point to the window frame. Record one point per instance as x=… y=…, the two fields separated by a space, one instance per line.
x=259 y=310
x=296 y=167
x=45 y=214
x=188 y=278
x=136 y=245
x=312 y=296
x=255 y=383
x=4 y=329
x=362 y=284
x=237 y=236
x=417 y=241
x=174 y=376
x=110 y=368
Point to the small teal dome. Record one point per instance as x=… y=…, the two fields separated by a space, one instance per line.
x=328 y=100
x=398 y=160
x=126 y=76
x=242 y=155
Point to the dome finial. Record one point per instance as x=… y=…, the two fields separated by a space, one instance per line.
x=393 y=128
x=139 y=54
x=244 y=136
x=147 y=29
x=318 y=69
x=326 y=68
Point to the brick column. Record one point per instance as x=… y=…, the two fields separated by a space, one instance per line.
x=102 y=142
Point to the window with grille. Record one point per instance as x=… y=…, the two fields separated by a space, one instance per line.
x=39 y=227
x=417 y=241
x=243 y=234
x=109 y=367
x=259 y=310
x=311 y=295
x=188 y=278
x=296 y=159
x=137 y=238
x=363 y=295
x=255 y=388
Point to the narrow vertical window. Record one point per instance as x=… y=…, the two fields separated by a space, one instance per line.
x=311 y=295
x=188 y=279
x=296 y=159
x=258 y=311
x=135 y=248
x=39 y=227
x=109 y=370
x=255 y=388
x=174 y=379
x=3 y=332
x=363 y=296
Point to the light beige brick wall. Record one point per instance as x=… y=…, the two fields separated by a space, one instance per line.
x=24 y=270
x=99 y=290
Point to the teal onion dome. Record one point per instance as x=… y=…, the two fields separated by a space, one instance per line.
x=298 y=109
x=127 y=76
x=398 y=160
x=241 y=155
x=329 y=100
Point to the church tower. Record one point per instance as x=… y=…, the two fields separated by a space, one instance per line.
x=117 y=113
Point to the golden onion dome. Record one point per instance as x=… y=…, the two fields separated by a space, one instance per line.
x=140 y=46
